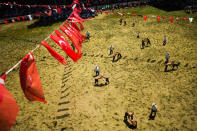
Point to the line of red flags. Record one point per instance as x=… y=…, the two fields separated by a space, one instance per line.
x=29 y=76
x=146 y=17
x=20 y=18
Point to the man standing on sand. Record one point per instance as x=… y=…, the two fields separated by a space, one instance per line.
x=111 y=49
x=133 y=22
x=96 y=69
x=87 y=35
x=138 y=35
x=167 y=58
x=153 y=111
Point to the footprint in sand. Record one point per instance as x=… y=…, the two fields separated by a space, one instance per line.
x=62 y=103
x=54 y=123
x=153 y=61
x=64 y=81
x=62 y=97
x=186 y=65
x=64 y=90
x=63 y=86
x=148 y=60
x=64 y=109
x=136 y=59
x=159 y=62
x=124 y=57
x=62 y=116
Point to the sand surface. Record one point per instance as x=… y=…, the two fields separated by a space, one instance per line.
x=136 y=81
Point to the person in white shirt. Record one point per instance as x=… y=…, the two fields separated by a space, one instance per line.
x=133 y=22
x=190 y=20
x=167 y=58
x=153 y=111
x=96 y=69
x=111 y=49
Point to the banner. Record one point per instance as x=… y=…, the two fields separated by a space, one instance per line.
x=8 y=107
x=30 y=79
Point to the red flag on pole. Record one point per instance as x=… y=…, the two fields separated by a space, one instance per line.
x=30 y=79
x=75 y=35
x=75 y=26
x=171 y=19
x=23 y=17
x=81 y=26
x=18 y=18
x=73 y=39
x=158 y=18
x=8 y=107
x=57 y=32
x=184 y=19
x=5 y=21
x=54 y=53
x=66 y=48
x=73 y=31
x=145 y=17
x=78 y=33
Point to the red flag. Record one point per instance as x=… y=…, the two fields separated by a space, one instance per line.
x=75 y=26
x=133 y=14
x=78 y=33
x=81 y=26
x=74 y=31
x=171 y=19
x=23 y=17
x=66 y=48
x=106 y=12
x=158 y=18
x=59 y=9
x=5 y=21
x=30 y=79
x=54 y=53
x=77 y=10
x=18 y=18
x=184 y=19
x=60 y=35
x=74 y=40
x=8 y=107
x=76 y=2
x=145 y=17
